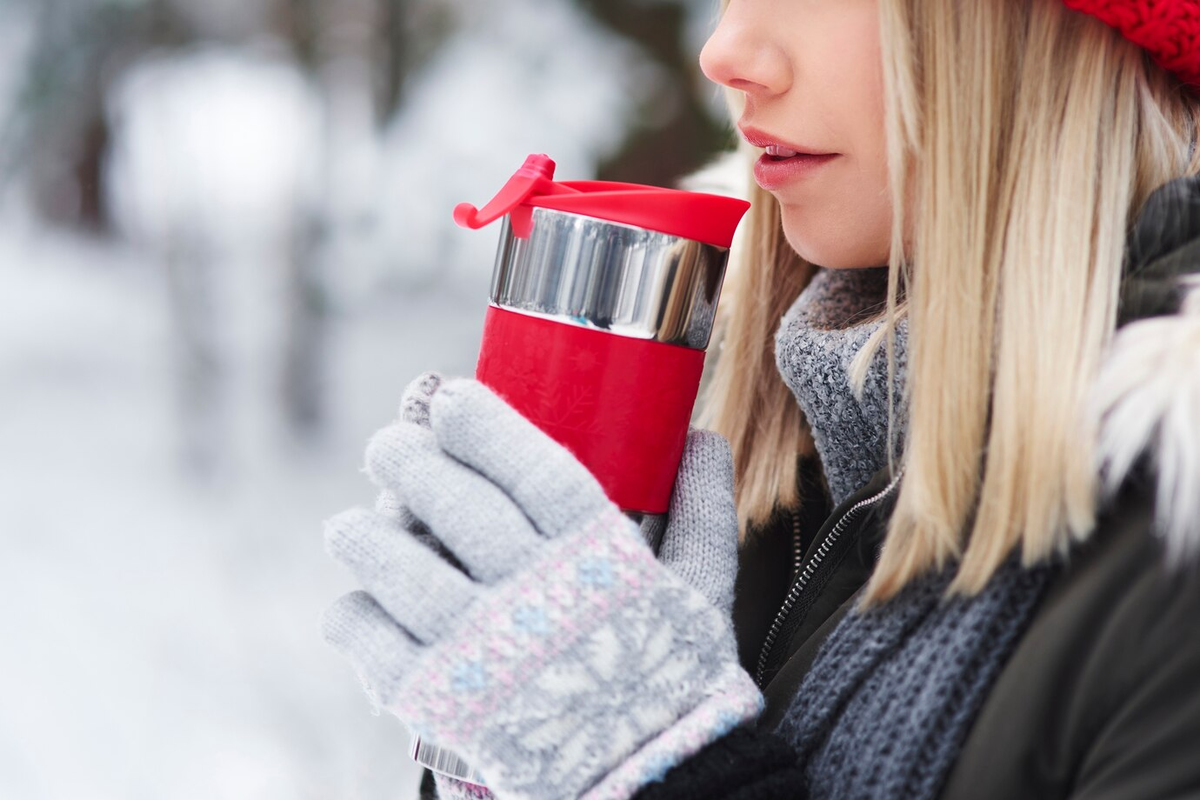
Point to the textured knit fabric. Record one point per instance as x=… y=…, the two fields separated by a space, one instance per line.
x=885 y=708
x=815 y=344
x=741 y=766
x=702 y=498
x=1168 y=29
x=414 y=408
x=452 y=789
x=562 y=659
x=700 y=542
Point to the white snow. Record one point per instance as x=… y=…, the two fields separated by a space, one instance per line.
x=524 y=76
x=158 y=628
x=160 y=635
x=213 y=145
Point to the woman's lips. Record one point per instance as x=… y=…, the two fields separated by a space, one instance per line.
x=783 y=162
x=775 y=172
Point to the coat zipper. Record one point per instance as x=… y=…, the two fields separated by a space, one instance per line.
x=801 y=580
x=797 y=551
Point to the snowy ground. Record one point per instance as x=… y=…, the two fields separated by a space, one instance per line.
x=160 y=634
x=158 y=627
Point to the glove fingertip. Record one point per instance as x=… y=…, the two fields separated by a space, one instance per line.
x=389 y=504
x=704 y=482
x=391 y=449
x=341 y=529
x=458 y=396
x=338 y=621
x=414 y=402
x=466 y=399
x=709 y=445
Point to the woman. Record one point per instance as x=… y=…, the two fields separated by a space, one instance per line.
x=968 y=322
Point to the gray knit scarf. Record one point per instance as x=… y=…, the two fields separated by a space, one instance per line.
x=814 y=347
x=888 y=703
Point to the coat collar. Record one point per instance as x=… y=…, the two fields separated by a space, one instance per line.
x=1146 y=399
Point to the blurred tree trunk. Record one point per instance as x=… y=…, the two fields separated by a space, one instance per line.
x=306 y=347
x=82 y=46
x=679 y=133
x=397 y=25
x=344 y=44
x=200 y=379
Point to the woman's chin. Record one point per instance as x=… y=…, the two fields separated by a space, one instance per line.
x=834 y=255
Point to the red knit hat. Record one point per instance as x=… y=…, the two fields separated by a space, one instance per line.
x=1168 y=29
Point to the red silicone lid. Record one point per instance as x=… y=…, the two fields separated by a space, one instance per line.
x=708 y=218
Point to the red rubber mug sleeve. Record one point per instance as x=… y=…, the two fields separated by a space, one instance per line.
x=621 y=405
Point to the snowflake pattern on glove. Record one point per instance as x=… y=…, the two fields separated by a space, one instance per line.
x=591 y=683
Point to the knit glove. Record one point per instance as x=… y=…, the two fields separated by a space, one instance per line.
x=702 y=501
x=414 y=408
x=561 y=659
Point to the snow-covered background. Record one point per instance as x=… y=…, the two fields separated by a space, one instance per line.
x=186 y=390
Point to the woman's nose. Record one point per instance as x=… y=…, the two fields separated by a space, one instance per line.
x=742 y=55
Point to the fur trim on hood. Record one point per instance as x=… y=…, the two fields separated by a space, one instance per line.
x=1147 y=394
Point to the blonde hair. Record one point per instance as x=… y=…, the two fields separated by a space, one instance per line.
x=1025 y=137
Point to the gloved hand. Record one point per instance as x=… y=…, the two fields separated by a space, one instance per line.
x=700 y=540
x=414 y=408
x=562 y=659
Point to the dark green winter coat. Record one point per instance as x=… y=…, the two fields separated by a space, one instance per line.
x=1101 y=697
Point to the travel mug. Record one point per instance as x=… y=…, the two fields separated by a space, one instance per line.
x=602 y=303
